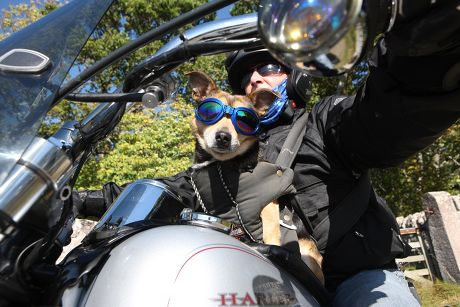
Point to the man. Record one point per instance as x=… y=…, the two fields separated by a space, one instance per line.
x=401 y=109
x=324 y=175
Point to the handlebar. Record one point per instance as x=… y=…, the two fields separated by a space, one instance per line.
x=205 y=39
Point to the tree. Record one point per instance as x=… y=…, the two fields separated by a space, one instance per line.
x=436 y=168
x=18 y=16
x=146 y=143
x=159 y=143
x=244 y=7
x=150 y=144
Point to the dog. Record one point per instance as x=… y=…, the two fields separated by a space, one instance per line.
x=221 y=141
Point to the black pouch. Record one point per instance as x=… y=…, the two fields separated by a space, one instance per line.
x=250 y=192
x=373 y=242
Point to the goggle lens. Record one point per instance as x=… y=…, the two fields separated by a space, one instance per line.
x=246 y=122
x=209 y=110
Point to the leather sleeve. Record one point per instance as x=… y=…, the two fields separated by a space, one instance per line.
x=384 y=126
x=410 y=98
x=94 y=203
x=180 y=184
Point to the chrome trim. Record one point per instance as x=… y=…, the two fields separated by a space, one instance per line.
x=160 y=185
x=66 y=136
x=93 y=119
x=273 y=39
x=211 y=30
x=45 y=168
x=240 y=31
x=348 y=50
x=394 y=12
x=40 y=174
x=65 y=193
x=205 y=220
x=25 y=69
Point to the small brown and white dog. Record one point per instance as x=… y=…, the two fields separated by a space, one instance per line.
x=221 y=141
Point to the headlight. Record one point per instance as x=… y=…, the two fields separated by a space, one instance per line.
x=323 y=37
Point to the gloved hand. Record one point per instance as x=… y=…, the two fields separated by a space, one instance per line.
x=422 y=50
x=94 y=203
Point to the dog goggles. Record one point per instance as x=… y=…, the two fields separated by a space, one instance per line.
x=211 y=110
x=263 y=70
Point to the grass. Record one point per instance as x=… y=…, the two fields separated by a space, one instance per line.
x=439 y=294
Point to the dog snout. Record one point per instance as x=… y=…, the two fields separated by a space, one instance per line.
x=223 y=139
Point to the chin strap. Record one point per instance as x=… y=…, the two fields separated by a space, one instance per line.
x=277 y=107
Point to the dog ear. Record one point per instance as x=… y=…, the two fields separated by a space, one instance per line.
x=202 y=85
x=262 y=99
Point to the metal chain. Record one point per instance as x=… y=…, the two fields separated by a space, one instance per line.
x=198 y=196
x=219 y=169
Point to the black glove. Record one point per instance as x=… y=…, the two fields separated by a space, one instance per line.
x=422 y=51
x=94 y=203
x=293 y=263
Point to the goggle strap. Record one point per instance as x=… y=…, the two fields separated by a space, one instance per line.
x=228 y=109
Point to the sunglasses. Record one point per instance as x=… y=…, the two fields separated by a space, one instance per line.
x=211 y=110
x=263 y=70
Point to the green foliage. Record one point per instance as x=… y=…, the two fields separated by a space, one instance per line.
x=346 y=84
x=145 y=145
x=211 y=65
x=244 y=7
x=151 y=143
x=20 y=15
x=436 y=168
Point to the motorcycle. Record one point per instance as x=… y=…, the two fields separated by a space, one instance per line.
x=147 y=248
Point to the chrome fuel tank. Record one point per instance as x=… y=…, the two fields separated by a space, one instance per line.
x=185 y=265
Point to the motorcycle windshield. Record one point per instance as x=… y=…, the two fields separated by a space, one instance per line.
x=25 y=96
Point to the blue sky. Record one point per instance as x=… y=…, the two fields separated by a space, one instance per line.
x=5 y=3
x=223 y=13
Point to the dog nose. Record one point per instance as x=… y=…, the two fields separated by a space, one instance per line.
x=223 y=139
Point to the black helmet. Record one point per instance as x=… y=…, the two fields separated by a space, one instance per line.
x=238 y=63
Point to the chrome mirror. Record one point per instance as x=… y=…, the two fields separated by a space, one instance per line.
x=322 y=37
